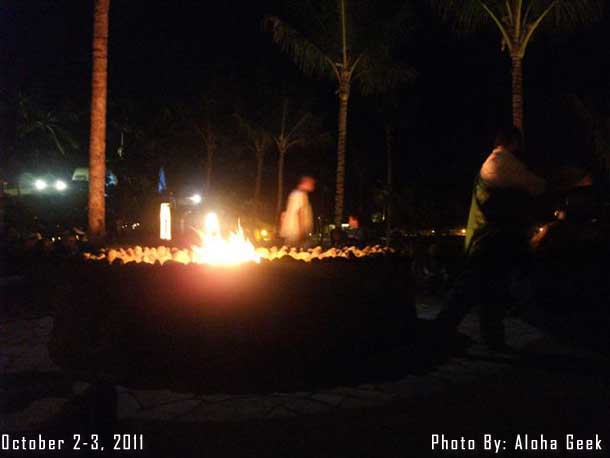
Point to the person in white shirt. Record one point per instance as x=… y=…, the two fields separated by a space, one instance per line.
x=297 y=220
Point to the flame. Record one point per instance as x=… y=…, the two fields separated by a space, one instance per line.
x=230 y=251
x=216 y=250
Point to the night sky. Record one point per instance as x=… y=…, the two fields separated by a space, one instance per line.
x=165 y=51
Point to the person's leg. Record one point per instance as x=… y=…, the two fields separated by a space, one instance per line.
x=492 y=309
x=495 y=297
x=508 y=255
x=465 y=292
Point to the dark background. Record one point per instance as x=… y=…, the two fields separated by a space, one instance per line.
x=166 y=52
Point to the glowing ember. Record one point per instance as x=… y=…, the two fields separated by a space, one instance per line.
x=231 y=251
x=163 y=254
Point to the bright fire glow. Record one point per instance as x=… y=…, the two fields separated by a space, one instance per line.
x=216 y=250
x=162 y=254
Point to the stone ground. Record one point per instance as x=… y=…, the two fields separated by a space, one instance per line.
x=546 y=387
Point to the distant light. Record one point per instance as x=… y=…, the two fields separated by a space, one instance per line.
x=61 y=185
x=40 y=185
x=540 y=229
x=166 y=222
x=195 y=198
x=463 y=231
x=264 y=233
x=433 y=231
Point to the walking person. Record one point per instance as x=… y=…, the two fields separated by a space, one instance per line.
x=297 y=221
x=496 y=239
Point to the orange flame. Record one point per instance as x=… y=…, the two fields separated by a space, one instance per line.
x=231 y=251
x=216 y=250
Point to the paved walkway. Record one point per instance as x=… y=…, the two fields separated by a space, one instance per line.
x=34 y=390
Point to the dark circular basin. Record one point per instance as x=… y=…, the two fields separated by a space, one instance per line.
x=275 y=326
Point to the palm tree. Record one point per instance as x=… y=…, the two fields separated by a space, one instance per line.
x=289 y=135
x=390 y=137
x=201 y=118
x=517 y=21
x=97 y=142
x=44 y=127
x=208 y=135
x=124 y=125
x=347 y=46
x=259 y=141
x=391 y=112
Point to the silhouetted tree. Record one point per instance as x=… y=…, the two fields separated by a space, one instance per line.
x=259 y=141
x=97 y=143
x=44 y=129
x=346 y=42
x=291 y=133
x=517 y=21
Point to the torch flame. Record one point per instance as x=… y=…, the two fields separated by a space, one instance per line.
x=216 y=250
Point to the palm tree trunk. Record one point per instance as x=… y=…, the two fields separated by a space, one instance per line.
x=97 y=142
x=259 y=179
x=361 y=192
x=517 y=77
x=389 y=141
x=208 y=168
x=342 y=133
x=280 y=180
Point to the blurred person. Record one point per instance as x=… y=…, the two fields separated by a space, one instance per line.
x=356 y=234
x=297 y=221
x=337 y=237
x=496 y=239
x=575 y=200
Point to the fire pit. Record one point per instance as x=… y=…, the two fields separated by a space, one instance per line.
x=286 y=320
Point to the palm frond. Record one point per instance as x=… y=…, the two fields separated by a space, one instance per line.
x=295 y=129
x=384 y=23
x=468 y=15
x=320 y=19
x=569 y=14
x=66 y=136
x=465 y=15
x=378 y=74
x=309 y=57
x=258 y=137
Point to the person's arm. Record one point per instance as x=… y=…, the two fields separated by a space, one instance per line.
x=503 y=170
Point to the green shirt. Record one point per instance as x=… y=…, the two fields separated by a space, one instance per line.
x=494 y=213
